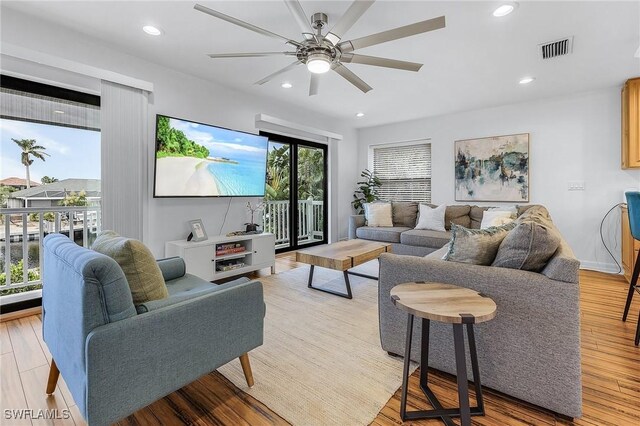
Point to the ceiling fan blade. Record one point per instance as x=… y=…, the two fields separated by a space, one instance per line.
x=355 y=11
x=248 y=55
x=283 y=70
x=380 y=62
x=394 y=34
x=301 y=18
x=352 y=78
x=313 y=86
x=243 y=24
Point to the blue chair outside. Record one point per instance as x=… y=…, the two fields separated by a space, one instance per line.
x=117 y=358
x=633 y=206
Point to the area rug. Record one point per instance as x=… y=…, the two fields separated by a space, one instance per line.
x=321 y=362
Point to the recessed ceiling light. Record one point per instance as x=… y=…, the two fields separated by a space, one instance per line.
x=360 y=114
x=57 y=111
x=527 y=80
x=151 y=30
x=286 y=85
x=505 y=9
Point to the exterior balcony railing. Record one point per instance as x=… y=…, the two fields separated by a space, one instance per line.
x=23 y=229
x=277 y=215
x=21 y=235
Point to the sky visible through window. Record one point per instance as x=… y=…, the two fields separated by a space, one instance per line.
x=73 y=153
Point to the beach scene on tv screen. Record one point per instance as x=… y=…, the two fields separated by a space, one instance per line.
x=198 y=160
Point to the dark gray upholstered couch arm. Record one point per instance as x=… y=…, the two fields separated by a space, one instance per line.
x=355 y=222
x=531 y=350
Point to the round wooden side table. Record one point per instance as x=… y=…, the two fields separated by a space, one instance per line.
x=448 y=304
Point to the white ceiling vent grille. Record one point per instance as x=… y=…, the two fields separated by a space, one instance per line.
x=556 y=48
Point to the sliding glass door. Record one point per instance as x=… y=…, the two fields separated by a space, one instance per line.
x=296 y=196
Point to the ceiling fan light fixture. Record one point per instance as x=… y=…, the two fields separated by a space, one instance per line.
x=318 y=63
x=505 y=9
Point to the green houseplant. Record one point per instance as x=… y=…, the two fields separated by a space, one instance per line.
x=367 y=191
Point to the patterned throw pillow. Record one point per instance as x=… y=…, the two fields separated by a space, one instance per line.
x=141 y=269
x=476 y=246
x=378 y=214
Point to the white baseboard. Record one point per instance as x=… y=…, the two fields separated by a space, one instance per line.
x=609 y=268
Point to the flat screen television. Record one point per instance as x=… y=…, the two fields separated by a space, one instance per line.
x=199 y=160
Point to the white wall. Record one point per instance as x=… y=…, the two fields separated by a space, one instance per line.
x=571 y=138
x=181 y=95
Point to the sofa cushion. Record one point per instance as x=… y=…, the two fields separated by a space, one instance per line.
x=528 y=246
x=425 y=238
x=431 y=218
x=386 y=234
x=520 y=209
x=496 y=218
x=378 y=214
x=457 y=214
x=405 y=213
x=141 y=269
x=475 y=214
x=537 y=213
x=185 y=288
x=476 y=246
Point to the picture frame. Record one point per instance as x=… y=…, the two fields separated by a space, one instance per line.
x=492 y=169
x=197 y=230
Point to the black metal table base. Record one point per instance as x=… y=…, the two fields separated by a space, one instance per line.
x=445 y=414
x=348 y=294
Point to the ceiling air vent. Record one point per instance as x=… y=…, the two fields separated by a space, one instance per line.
x=556 y=48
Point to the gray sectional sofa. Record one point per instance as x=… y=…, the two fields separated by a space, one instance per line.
x=418 y=242
x=530 y=351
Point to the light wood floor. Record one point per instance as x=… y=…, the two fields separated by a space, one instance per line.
x=610 y=362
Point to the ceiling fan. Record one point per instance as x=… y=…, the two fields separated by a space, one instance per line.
x=322 y=53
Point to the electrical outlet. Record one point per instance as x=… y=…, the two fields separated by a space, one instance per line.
x=576 y=185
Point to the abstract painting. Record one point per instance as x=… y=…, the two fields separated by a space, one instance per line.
x=493 y=169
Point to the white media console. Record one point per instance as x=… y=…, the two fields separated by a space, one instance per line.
x=222 y=257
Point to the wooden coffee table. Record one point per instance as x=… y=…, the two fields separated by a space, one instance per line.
x=342 y=256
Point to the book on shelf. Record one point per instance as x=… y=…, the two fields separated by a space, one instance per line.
x=228 y=246
x=221 y=252
x=229 y=267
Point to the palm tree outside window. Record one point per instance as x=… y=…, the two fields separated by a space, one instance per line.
x=30 y=149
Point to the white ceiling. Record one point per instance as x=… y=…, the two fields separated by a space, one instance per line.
x=475 y=62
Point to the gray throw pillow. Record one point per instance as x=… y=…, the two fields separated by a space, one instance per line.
x=476 y=246
x=529 y=246
x=458 y=214
x=404 y=213
x=476 y=213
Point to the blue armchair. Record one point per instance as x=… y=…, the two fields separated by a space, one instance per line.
x=633 y=206
x=117 y=358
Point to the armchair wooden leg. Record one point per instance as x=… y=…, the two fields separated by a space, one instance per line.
x=246 y=369
x=54 y=374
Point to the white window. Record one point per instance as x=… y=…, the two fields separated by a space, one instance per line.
x=405 y=172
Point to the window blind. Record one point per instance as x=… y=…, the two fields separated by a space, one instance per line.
x=405 y=172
